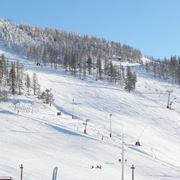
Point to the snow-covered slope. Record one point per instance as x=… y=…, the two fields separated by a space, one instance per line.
x=41 y=140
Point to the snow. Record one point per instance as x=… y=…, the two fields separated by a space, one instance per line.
x=145 y=59
x=40 y=140
x=118 y=61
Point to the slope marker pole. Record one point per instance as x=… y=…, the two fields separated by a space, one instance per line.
x=21 y=171
x=122 y=178
x=132 y=167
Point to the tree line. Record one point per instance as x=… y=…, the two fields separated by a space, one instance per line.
x=80 y=55
x=50 y=45
x=14 y=81
x=166 y=69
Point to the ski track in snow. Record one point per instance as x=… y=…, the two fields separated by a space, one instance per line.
x=41 y=140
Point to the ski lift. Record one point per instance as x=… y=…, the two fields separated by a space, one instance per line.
x=38 y=64
x=137 y=143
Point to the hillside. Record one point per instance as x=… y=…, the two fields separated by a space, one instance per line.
x=34 y=135
x=51 y=45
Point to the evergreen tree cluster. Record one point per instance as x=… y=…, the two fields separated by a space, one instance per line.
x=166 y=69
x=130 y=81
x=52 y=45
x=80 y=55
x=47 y=96
x=13 y=79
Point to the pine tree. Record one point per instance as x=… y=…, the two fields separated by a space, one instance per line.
x=111 y=71
x=28 y=84
x=99 y=69
x=84 y=70
x=47 y=96
x=35 y=84
x=19 y=72
x=89 y=65
x=130 y=80
x=134 y=80
x=3 y=90
x=12 y=79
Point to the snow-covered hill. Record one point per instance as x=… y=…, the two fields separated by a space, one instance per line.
x=33 y=135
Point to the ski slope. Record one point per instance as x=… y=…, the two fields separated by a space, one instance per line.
x=32 y=134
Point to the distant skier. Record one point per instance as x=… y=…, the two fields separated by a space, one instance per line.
x=98 y=166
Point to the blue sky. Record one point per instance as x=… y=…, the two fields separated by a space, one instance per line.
x=152 y=26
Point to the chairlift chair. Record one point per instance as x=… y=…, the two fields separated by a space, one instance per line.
x=137 y=143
